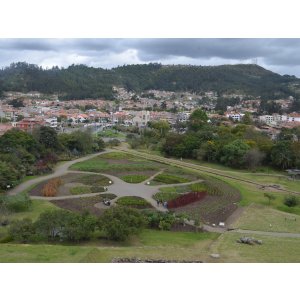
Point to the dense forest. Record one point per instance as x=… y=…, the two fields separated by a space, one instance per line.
x=80 y=81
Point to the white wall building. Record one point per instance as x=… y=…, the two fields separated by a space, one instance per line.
x=51 y=122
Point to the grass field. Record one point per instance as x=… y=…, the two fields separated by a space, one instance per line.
x=273 y=249
x=148 y=244
x=258 y=217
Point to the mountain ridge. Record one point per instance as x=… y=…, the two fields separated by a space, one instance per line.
x=81 y=81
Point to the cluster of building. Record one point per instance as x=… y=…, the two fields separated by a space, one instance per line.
x=130 y=109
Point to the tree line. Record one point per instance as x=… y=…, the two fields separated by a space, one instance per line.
x=80 y=81
x=240 y=146
x=24 y=153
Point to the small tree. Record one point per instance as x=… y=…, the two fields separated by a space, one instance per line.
x=269 y=197
x=120 y=222
x=22 y=230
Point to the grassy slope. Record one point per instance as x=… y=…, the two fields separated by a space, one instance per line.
x=149 y=244
x=257 y=217
x=273 y=249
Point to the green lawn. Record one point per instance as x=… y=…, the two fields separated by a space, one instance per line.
x=273 y=249
x=258 y=217
x=148 y=244
x=252 y=194
x=38 y=206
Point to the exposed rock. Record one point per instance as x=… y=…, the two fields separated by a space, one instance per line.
x=249 y=241
x=215 y=255
x=138 y=260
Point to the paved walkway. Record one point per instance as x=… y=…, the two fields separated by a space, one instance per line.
x=121 y=188
x=59 y=170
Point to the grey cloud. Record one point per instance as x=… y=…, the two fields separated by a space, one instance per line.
x=280 y=55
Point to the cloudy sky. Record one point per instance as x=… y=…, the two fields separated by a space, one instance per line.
x=279 y=55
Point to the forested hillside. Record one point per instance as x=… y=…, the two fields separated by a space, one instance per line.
x=80 y=81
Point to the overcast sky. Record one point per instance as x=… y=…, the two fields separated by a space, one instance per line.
x=279 y=55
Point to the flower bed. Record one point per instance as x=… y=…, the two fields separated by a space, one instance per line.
x=186 y=199
x=50 y=188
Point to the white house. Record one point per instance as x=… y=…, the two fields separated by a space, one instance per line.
x=51 y=122
x=141 y=118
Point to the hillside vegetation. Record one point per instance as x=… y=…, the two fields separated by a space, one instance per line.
x=80 y=81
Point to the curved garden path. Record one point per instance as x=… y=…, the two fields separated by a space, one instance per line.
x=59 y=170
x=121 y=188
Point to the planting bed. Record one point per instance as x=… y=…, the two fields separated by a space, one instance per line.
x=134 y=202
x=83 y=204
x=174 y=175
x=72 y=184
x=118 y=164
x=219 y=203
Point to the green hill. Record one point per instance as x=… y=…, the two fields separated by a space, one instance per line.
x=80 y=81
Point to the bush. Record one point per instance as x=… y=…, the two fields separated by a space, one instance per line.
x=119 y=222
x=291 y=201
x=160 y=220
x=22 y=230
x=51 y=187
x=17 y=203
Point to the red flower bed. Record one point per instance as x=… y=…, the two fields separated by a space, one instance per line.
x=186 y=199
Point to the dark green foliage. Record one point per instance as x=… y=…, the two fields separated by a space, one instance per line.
x=197 y=120
x=80 y=81
x=48 y=137
x=282 y=155
x=160 y=220
x=17 y=203
x=291 y=201
x=119 y=222
x=22 y=230
x=234 y=154
x=65 y=225
x=8 y=175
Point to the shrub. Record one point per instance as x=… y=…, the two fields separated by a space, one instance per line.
x=51 y=187
x=22 y=230
x=160 y=220
x=65 y=225
x=17 y=203
x=291 y=201
x=120 y=222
